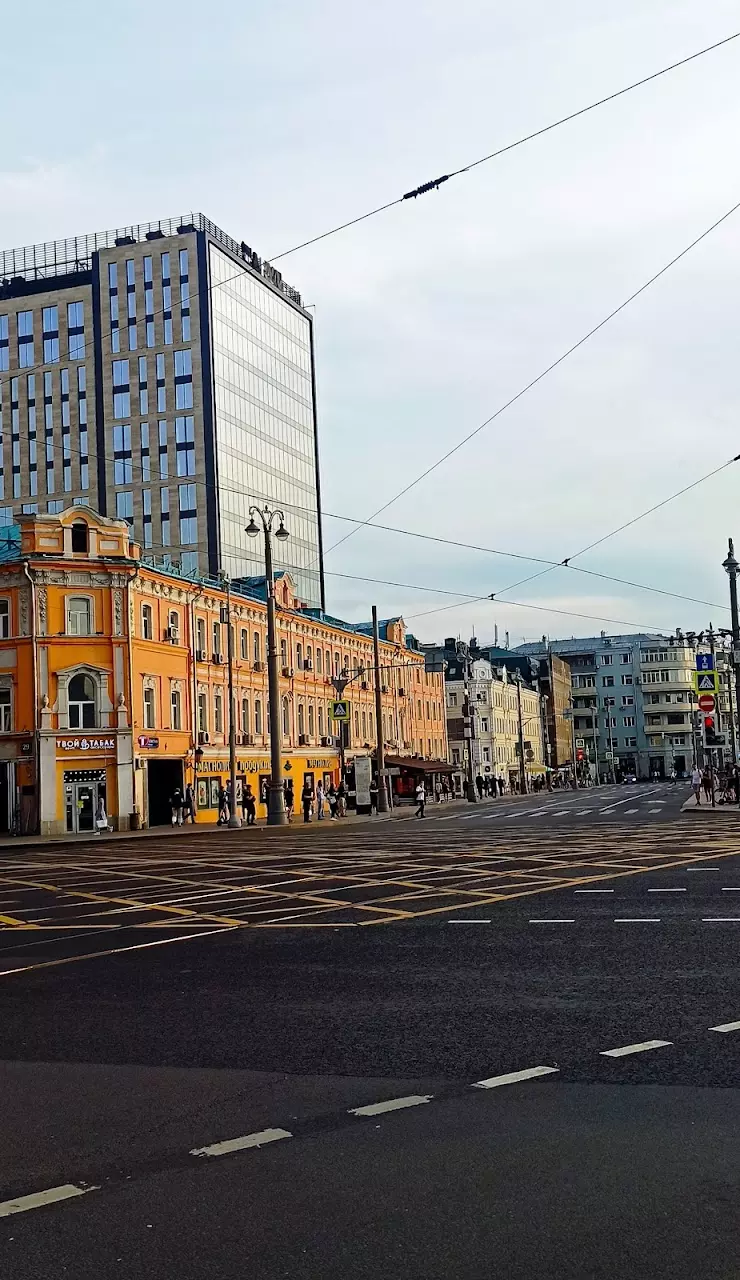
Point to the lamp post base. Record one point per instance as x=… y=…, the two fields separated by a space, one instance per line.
x=234 y=821
x=276 y=815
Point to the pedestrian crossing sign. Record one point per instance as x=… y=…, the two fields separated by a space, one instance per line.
x=339 y=710
x=705 y=681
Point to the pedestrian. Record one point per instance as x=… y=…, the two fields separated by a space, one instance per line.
x=696 y=783
x=421 y=798
x=438 y=793
x=479 y=786
x=223 y=807
x=319 y=801
x=342 y=799
x=674 y=776
x=188 y=809
x=500 y=784
x=331 y=796
x=176 y=807
x=101 y=817
x=707 y=782
x=250 y=805
x=289 y=798
x=445 y=790
x=373 y=796
x=307 y=799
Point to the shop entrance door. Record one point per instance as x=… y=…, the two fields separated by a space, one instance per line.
x=82 y=790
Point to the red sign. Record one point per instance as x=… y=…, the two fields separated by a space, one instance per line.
x=706 y=702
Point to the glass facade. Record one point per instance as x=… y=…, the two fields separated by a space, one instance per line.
x=264 y=424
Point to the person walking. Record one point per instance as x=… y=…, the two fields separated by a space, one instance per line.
x=320 y=801
x=188 y=808
x=500 y=784
x=479 y=785
x=307 y=799
x=674 y=776
x=250 y=805
x=176 y=807
x=373 y=796
x=438 y=793
x=101 y=817
x=289 y=798
x=696 y=783
x=342 y=799
x=331 y=796
x=223 y=807
x=421 y=798
x=707 y=782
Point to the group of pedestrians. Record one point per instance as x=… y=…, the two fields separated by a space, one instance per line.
x=725 y=784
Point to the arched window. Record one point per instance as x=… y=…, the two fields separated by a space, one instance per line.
x=299 y=656
x=257 y=716
x=286 y=719
x=81 y=703
x=301 y=719
x=244 y=644
x=310 y=720
x=257 y=647
x=319 y=663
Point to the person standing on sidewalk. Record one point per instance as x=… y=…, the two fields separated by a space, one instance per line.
x=421 y=797
x=307 y=800
x=373 y=796
x=250 y=805
x=342 y=799
x=320 y=801
x=696 y=783
x=176 y=807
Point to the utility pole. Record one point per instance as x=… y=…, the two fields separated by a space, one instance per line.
x=383 y=787
x=595 y=735
x=522 y=770
x=469 y=731
x=234 y=821
x=276 y=815
x=730 y=565
x=573 y=745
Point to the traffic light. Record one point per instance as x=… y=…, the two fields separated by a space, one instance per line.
x=710 y=736
x=579 y=754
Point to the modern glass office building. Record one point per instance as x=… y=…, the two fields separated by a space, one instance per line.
x=163 y=373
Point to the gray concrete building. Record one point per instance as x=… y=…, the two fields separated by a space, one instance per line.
x=162 y=373
x=632 y=699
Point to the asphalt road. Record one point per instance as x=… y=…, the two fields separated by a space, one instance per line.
x=377 y=1051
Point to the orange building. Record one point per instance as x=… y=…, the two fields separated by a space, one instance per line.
x=113 y=684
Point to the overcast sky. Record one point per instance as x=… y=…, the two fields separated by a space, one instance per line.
x=281 y=119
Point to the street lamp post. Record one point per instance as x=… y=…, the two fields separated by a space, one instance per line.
x=234 y=820
x=730 y=565
x=276 y=815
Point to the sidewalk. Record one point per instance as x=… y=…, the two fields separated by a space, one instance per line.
x=352 y=819
x=727 y=810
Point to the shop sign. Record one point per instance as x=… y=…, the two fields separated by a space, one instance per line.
x=148 y=742
x=263 y=765
x=86 y=744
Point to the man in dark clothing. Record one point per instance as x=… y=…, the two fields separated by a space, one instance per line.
x=479 y=785
x=307 y=800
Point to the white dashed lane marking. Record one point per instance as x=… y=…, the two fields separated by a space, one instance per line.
x=514 y=1077
x=40 y=1198
x=635 y=1048
x=726 y=1026
x=394 y=1104
x=260 y=1139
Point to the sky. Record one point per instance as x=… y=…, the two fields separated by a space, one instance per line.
x=280 y=120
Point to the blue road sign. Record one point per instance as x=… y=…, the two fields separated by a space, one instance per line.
x=705 y=662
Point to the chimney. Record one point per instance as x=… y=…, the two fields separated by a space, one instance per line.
x=507 y=640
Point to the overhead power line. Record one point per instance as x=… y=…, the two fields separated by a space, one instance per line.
x=435 y=183
x=543 y=374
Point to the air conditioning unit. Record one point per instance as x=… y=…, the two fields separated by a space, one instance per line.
x=308 y=665
x=203 y=738
x=363 y=684
x=238 y=739
x=384 y=688
x=172 y=635
x=303 y=740
x=287 y=672
x=217 y=657
x=258 y=666
x=327 y=742
x=201 y=655
x=402 y=693
x=248 y=739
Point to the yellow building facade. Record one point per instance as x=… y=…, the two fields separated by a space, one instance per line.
x=114 y=684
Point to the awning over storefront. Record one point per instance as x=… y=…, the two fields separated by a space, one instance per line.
x=417 y=765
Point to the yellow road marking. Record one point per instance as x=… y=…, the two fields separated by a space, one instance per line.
x=17 y=924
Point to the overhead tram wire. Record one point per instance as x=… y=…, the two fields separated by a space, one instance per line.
x=435 y=183
x=543 y=374
x=471 y=546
